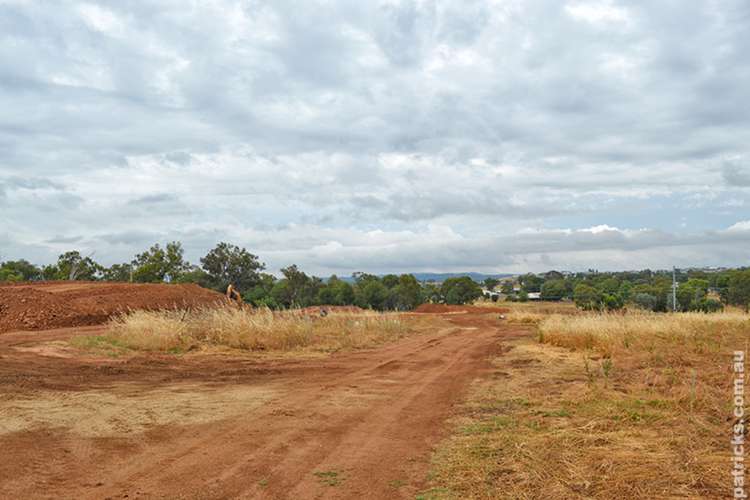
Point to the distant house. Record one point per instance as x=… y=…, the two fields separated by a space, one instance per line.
x=534 y=295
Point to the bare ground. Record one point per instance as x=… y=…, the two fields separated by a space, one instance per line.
x=355 y=425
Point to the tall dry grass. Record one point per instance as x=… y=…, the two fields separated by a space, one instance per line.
x=630 y=405
x=610 y=333
x=681 y=357
x=257 y=330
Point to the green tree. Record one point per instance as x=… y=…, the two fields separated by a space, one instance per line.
x=645 y=301
x=19 y=270
x=710 y=305
x=587 y=297
x=390 y=280
x=461 y=290
x=554 y=290
x=336 y=292
x=738 y=289
x=260 y=294
x=408 y=293
x=612 y=301
x=553 y=275
x=372 y=294
x=281 y=294
x=229 y=264
x=73 y=266
x=531 y=282
x=431 y=293
x=626 y=289
x=491 y=283
x=117 y=272
x=197 y=275
x=609 y=285
x=691 y=293
x=158 y=264
x=301 y=289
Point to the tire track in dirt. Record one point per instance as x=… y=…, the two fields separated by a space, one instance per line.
x=365 y=422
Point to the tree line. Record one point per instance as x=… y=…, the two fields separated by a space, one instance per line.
x=230 y=264
x=697 y=290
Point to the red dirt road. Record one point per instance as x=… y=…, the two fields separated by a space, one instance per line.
x=355 y=425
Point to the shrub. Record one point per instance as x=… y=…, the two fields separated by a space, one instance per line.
x=645 y=301
x=710 y=306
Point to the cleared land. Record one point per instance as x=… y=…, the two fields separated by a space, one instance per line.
x=450 y=402
x=83 y=424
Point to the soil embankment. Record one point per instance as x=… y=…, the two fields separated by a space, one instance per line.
x=41 y=306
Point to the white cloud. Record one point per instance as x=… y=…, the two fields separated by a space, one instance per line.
x=598 y=12
x=740 y=226
x=101 y=19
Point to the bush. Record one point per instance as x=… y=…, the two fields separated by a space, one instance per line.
x=587 y=297
x=710 y=306
x=645 y=301
x=612 y=302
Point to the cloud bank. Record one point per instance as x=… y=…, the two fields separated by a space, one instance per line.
x=389 y=135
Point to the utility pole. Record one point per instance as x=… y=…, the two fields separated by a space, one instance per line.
x=674 y=289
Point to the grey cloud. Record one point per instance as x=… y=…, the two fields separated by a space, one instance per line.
x=154 y=199
x=31 y=183
x=736 y=174
x=365 y=116
x=64 y=239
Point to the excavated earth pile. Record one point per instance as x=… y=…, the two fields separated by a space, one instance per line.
x=48 y=305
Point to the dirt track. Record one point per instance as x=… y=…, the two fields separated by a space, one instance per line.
x=356 y=425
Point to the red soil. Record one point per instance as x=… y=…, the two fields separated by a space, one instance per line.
x=445 y=308
x=355 y=425
x=39 y=306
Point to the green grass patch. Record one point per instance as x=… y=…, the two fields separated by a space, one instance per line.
x=329 y=478
x=397 y=483
x=487 y=426
x=100 y=344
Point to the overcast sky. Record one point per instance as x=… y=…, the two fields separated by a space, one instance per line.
x=379 y=136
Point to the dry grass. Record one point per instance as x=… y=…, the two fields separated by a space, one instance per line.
x=530 y=313
x=525 y=317
x=606 y=406
x=645 y=332
x=256 y=330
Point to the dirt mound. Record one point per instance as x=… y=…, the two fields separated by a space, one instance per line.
x=63 y=304
x=445 y=308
